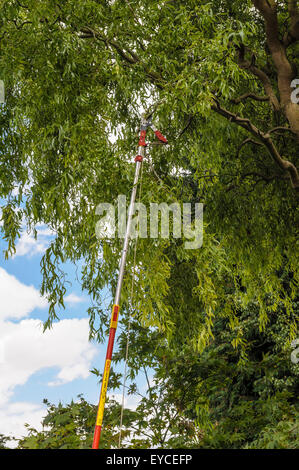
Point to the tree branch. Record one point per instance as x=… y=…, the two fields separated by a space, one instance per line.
x=90 y=33
x=190 y=119
x=247 y=141
x=252 y=96
x=22 y=6
x=126 y=53
x=293 y=34
x=260 y=74
x=133 y=13
x=261 y=178
x=268 y=9
x=265 y=139
x=285 y=70
x=281 y=129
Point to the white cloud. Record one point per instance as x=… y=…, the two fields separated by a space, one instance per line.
x=73 y=299
x=14 y=416
x=26 y=349
x=17 y=300
x=130 y=401
x=28 y=245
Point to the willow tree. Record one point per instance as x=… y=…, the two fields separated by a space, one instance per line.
x=222 y=76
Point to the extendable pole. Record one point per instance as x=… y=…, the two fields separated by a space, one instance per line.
x=115 y=308
x=145 y=123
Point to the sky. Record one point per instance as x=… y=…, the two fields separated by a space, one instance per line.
x=35 y=365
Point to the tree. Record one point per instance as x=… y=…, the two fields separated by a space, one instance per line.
x=71 y=426
x=64 y=427
x=221 y=76
x=154 y=423
x=3 y=441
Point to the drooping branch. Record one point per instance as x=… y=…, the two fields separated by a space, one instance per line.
x=252 y=96
x=260 y=178
x=281 y=129
x=260 y=74
x=248 y=141
x=190 y=119
x=136 y=19
x=265 y=139
x=232 y=117
x=129 y=56
x=22 y=6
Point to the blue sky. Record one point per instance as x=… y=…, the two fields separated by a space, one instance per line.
x=35 y=365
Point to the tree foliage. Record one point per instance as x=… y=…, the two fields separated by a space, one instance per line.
x=74 y=72
x=207 y=400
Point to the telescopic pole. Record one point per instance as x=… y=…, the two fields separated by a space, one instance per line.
x=145 y=123
x=115 y=308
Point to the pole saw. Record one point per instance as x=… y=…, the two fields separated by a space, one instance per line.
x=146 y=122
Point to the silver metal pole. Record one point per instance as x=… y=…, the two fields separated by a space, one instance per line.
x=141 y=152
